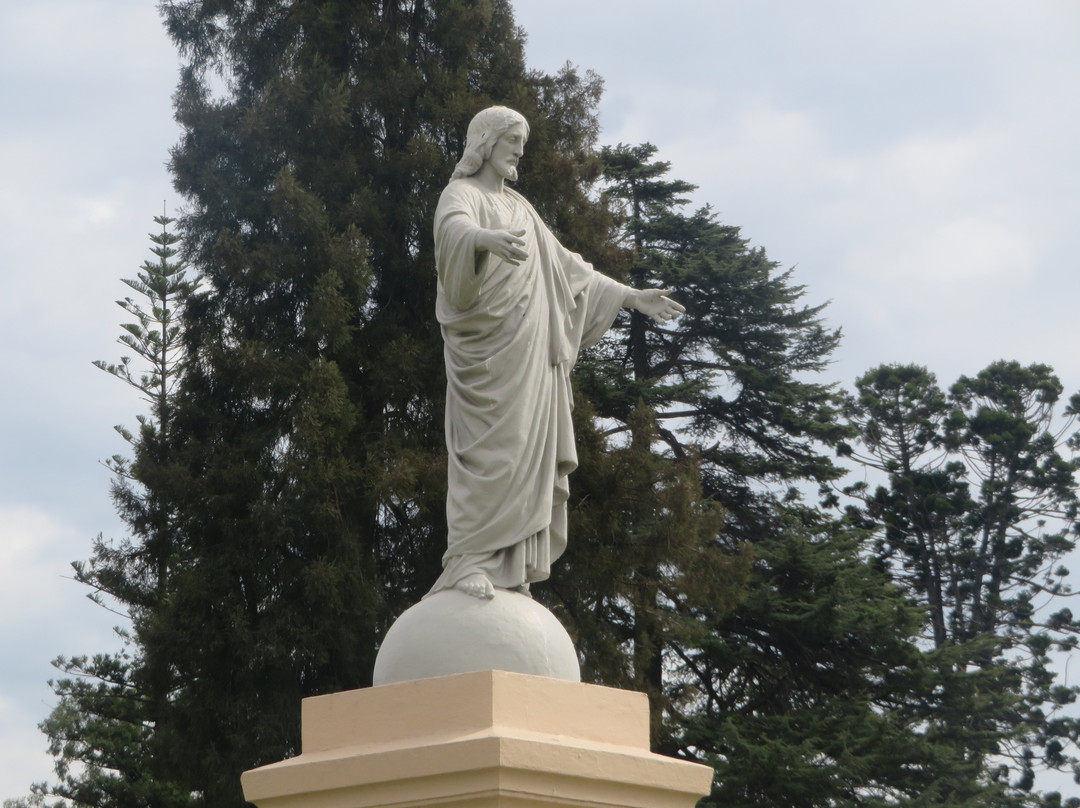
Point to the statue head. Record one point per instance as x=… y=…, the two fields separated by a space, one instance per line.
x=485 y=129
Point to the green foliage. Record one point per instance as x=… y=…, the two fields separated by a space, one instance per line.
x=111 y=707
x=155 y=337
x=797 y=687
x=101 y=734
x=135 y=572
x=978 y=510
x=645 y=556
x=310 y=468
x=718 y=396
x=286 y=493
x=733 y=376
x=770 y=648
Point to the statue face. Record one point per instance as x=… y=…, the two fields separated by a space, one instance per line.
x=507 y=151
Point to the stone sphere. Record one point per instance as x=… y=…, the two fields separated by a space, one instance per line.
x=451 y=632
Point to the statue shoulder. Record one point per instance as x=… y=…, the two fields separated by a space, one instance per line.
x=458 y=195
x=456 y=187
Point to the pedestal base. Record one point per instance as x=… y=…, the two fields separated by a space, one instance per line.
x=486 y=740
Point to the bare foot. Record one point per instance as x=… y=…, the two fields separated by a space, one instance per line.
x=476 y=585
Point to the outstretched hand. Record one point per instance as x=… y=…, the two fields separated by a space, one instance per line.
x=656 y=304
x=506 y=244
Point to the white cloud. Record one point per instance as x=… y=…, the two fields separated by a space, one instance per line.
x=21 y=762
x=939 y=239
x=777 y=150
x=955 y=252
x=932 y=209
x=929 y=170
x=40 y=31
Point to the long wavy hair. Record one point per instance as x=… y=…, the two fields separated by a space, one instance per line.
x=486 y=127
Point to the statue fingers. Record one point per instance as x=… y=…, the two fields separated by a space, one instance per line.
x=513 y=238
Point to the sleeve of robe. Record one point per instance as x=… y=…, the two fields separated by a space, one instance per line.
x=587 y=301
x=599 y=299
x=456 y=228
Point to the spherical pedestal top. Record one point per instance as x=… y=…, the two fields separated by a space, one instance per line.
x=451 y=632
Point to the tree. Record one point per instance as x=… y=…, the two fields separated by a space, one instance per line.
x=810 y=692
x=719 y=395
x=112 y=706
x=768 y=645
x=977 y=511
x=293 y=506
x=734 y=378
x=136 y=573
x=311 y=481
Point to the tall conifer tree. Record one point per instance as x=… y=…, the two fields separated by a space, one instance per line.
x=318 y=135
x=113 y=707
x=770 y=646
x=723 y=398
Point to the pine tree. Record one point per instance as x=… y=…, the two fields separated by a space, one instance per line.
x=978 y=510
x=310 y=425
x=735 y=378
x=768 y=645
x=136 y=573
x=721 y=394
x=112 y=706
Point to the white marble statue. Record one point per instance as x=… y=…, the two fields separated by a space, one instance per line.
x=515 y=307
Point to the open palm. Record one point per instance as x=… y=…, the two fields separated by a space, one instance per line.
x=656 y=304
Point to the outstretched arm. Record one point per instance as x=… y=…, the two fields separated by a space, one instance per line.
x=654 y=303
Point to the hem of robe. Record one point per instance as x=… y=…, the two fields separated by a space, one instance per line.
x=510 y=567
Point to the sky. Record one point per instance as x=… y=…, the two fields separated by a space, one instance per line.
x=914 y=161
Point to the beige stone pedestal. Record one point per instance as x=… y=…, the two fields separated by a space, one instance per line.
x=483 y=740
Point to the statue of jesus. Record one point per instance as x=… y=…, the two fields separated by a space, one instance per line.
x=515 y=308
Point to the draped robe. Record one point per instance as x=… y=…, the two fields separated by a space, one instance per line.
x=511 y=335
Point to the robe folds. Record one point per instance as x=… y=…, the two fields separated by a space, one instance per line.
x=511 y=335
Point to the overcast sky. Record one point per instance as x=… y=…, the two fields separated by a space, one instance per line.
x=916 y=161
